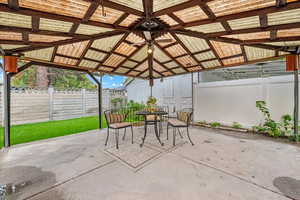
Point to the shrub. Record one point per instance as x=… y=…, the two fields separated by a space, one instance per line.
x=215 y=124
x=236 y=125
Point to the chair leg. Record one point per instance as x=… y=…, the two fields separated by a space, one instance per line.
x=145 y=134
x=180 y=133
x=131 y=134
x=174 y=136
x=188 y=134
x=124 y=134
x=117 y=138
x=107 y=136
x=167 y=131
x=160 y=128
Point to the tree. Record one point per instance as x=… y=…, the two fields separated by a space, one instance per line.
x=42 y=77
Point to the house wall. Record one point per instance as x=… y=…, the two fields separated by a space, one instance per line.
x=234 y=101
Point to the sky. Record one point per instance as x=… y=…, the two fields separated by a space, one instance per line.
x=112 y=81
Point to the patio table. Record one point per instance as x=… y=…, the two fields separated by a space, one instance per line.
x=152 y=122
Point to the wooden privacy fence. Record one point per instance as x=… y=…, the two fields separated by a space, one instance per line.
x=28 y=105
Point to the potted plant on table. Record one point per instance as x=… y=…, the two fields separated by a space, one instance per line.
x=151 y=103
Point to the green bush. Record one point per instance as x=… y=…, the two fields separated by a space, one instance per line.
x=215 y=124
x=275 y=129
x=236 y=125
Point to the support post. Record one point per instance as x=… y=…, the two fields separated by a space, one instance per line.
x=99 y=87
x=6 y=108
x=192 y=84
x=296 y=103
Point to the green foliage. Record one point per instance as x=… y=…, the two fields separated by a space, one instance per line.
x=116 y=100
x=287 y=124
x=57 y=78
x=270 y=126
x=236 y=125
x=215 y=124
x=151 y=101
x=25 y=79
x=133 y=107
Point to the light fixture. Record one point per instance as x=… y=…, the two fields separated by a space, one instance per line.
x=150 y=50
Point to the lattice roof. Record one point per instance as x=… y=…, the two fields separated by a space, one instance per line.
x=98 y=35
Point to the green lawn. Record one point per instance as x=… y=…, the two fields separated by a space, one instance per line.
x=43 y=130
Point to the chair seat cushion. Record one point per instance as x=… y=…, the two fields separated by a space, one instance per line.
x=176 y=122
x=120 y=125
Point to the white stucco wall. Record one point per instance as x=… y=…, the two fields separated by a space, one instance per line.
x=234 y=101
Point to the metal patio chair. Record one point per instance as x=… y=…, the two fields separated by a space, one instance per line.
x=182 y=120
x=116 y=121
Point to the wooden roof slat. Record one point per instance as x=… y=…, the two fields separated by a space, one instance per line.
x=261 y=11
x=30 y=12
x=68 y=41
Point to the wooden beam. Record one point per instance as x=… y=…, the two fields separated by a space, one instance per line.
x=226 y=27
x=85 y=51
x=186 y=49
x=165 y=67
x=25 y=37
x=263 y=20
x=91 y=10
x=280 y=3
x=273 y=34
x=251 y=13
x=214 y=51
x=224 y=39
x=128 y=58
x=148 y=8
x=14 y=4
x=64 y=42
x=121 y=18
x=31 y=12
x=41 y=32
x=177 y=19
x=244 y=53
x=66 y=56
x=278 y=39
x=180 y=6
x=35 y=21
x=73 y=29
x=170 y=56
x=114 y=48
x=254 y=30
x=54 y=53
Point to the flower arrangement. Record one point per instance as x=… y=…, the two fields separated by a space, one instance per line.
x=151 y=103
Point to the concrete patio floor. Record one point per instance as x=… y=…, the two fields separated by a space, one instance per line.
x=221 y=165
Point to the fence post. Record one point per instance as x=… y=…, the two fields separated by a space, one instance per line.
x=83 y=91
x=50 y=92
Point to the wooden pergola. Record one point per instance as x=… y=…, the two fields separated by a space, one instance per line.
x=114 y=36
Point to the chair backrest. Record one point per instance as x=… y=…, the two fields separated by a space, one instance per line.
x=114 y=116
x=184 y=116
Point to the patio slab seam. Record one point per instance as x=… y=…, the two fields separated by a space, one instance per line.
x=69 y=180
x=230 y=174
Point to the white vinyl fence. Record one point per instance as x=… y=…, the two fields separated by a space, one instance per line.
x=28 y=106
x=234 y=101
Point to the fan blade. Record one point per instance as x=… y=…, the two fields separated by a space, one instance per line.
x=147 y=35
x=164 y=40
